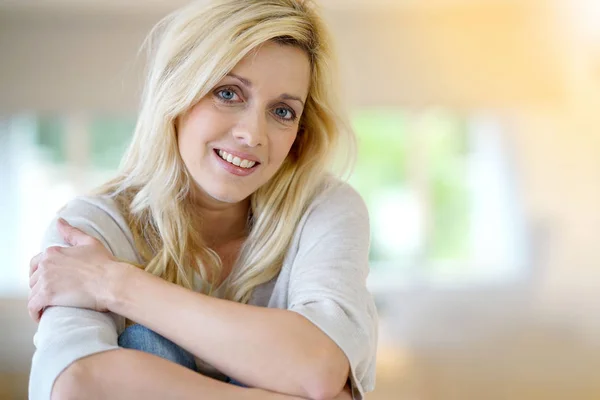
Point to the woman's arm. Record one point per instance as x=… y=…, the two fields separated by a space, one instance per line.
x=130 y=374
x=278 y=350
x=327 y=334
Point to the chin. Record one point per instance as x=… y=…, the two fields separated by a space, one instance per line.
x=221 y=190
x=228 y=198
x=227 y=195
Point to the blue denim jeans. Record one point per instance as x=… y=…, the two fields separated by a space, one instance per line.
x=138 y=337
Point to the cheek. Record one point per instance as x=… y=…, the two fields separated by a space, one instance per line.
x=191 y=149
x=203 y=124
x=281 y=148
x=185 y=140
x=197 y=133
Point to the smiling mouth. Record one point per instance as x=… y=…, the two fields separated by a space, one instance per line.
x=236 y=161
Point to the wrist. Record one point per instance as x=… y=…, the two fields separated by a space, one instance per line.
x=117 y=278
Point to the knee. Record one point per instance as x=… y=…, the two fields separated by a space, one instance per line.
x=138 y=337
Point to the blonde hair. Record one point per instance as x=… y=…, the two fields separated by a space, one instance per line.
x=191 y=50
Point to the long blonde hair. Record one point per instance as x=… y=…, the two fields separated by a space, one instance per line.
x=191 y=50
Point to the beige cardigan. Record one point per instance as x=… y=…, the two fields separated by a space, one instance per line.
x=323 y=278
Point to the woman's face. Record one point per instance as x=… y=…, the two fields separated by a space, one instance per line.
x=237 y=136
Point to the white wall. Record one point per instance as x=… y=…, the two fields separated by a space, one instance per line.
x=464 y=56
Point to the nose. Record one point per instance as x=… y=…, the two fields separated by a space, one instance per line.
x=250 y=129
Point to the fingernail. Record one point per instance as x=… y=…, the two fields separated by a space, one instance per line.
x=62 y=221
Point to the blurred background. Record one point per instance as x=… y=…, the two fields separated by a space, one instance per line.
x=479 y=132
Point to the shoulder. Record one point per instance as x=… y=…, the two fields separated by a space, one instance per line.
x=337 y=210
x=100 y=217
x=97 y=210
x=337 y=198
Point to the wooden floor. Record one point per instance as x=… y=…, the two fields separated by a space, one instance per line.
x=487 y=344
x=490 y=376
x=13 y=386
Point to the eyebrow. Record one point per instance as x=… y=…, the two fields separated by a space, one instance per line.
x=284 y=96
x=239 y=78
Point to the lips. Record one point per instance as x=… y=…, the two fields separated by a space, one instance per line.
x=230 y=167
x=235 y=160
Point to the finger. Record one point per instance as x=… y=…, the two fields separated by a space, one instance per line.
x=35 y=307
x=33 y=278
x=72 y=235
x=34 y=262
x=30 y=295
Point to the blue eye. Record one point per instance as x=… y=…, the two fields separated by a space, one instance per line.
x=226 y=94
x=284 y=113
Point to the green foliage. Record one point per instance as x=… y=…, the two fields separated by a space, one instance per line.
x=49 y=137
x=446 y=143
x=109 y=139
x=388 y=140
x=381 y=150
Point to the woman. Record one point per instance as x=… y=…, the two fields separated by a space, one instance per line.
x=224 y=245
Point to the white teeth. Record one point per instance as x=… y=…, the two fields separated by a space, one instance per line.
x=239 y=162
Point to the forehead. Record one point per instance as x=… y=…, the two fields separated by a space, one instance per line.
x=276 y=67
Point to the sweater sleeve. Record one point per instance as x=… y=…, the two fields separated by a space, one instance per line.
x=67 y=334
x=328 y=280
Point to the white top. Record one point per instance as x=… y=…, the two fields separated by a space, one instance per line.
x=323 y=278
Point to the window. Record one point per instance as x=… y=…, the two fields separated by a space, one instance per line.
x=46 y=161
x=442 y=200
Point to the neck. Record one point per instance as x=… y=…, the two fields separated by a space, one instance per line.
x=221 y=223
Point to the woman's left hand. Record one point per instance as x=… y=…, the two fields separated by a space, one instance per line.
x=73 y=276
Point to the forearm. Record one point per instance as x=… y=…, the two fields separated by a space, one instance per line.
x=273 y=349
x=130 y=374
